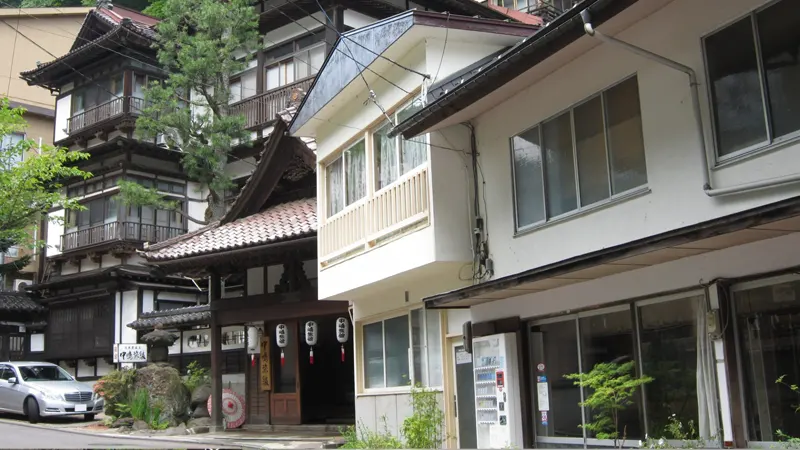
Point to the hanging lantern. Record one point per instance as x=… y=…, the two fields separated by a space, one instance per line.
x=282 y=339
x=252 y=344
x=342 y=332
x=311 y=338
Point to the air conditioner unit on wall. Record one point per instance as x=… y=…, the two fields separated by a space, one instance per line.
x=19 y=285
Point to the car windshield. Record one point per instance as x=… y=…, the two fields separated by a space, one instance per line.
x=44 y=373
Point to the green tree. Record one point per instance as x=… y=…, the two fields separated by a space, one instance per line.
x=201 y=44
x=612 y=387
x=30 y=180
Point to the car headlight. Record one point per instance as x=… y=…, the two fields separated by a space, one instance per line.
x=95 y=397
x=51 y=395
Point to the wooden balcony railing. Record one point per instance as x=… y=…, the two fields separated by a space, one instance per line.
x=389 y=211
x=112 y=231
x=261 y=109
x=104 y=111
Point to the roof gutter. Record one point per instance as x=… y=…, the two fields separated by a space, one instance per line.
x=417 y=123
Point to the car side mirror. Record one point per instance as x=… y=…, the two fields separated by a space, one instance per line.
x=12 y=380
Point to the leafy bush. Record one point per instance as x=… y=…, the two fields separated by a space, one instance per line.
x=363 y=437
x=424 y=428
x=115 y=388
x=612 y=388
x=196 y=375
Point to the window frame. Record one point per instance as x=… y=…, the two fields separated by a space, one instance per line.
x=425 y=353
x=277 y=61
x=368 y=136
x=579 y=210
x=771 y=142
x=407 y=103
x=633 y=307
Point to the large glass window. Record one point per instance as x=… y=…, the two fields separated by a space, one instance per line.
x=346 y=178
x=672 y=352
x=754 y=78
x=293 y=61
x=580 y=157
x=397 y=156
x=768 y=329
x=403 y=351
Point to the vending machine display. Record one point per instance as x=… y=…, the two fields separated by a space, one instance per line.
x=497 y=396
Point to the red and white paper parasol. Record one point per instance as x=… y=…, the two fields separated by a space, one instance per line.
x=232 y=408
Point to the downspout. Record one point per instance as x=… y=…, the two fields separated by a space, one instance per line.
x=708 y=188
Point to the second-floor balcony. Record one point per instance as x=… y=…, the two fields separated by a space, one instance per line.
x=117 y=231
x=109 y=110
x=260 y=110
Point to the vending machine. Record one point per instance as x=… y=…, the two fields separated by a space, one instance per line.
x=497 y=391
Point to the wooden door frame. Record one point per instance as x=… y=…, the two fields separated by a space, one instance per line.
x=297 y=392
x=450 y=388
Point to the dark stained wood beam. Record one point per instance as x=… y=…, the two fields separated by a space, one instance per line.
x=214 y=295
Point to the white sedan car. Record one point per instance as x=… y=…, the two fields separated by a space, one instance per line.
x=40 y=389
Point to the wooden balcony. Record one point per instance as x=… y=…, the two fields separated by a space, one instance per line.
x=117 y=231
x=391 y=211
x=109 y=110
x=260 y=110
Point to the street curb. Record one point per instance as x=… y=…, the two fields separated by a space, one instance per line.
x=90 y=433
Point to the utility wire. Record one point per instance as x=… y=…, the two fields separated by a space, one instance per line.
x=13 y=53
x=444 y=48
x=343 y=37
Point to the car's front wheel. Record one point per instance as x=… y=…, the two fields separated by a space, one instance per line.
x=88 y=417
x=32 y=410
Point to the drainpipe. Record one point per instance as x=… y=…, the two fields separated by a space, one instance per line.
x=693 y=83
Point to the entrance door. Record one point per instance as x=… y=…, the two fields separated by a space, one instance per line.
x=285 y=398
x=465 y=397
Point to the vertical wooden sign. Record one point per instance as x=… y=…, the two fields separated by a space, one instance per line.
x=266 y=364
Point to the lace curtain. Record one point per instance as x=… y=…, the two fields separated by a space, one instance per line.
x=356 y=172
x=415 y=150
x=335 y=178
x=708 y=425
x=386 y=156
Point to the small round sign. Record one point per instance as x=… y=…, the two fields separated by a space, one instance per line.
x=540 y=367
x=232 y=408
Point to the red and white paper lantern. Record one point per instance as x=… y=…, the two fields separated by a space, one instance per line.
x=311 y=338
x=282 y=339
x=342 y=333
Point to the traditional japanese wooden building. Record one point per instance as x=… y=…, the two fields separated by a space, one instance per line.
x=260 y=261
x=21 y=323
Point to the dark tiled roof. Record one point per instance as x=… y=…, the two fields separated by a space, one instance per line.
x=191 y=315
x=290 y=220
x=18 y=302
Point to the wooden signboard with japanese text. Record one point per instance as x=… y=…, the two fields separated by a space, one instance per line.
x=266 y=364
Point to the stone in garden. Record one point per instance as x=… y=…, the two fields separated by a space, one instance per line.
x=200 y=396
x=158 y=342
x=123 y=422
x=165 y=387
x=199 y=422
x=140 y=425
x=180 y=430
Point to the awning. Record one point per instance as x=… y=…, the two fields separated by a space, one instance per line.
x=765 y=222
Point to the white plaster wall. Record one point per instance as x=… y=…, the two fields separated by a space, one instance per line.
x=175 y=348
x=451 y=195
x=147 y=301
x=87 y=264
x=69 y=268
x=103 y=368
x=456 y=319
x=294 y=29
x=84 y=370
x=255 y=281
x=109 y=261
x=385 y=412
x=196 y=209
x=180 y=296
x=63 y=110
x=129 y=314
x=37 y=342
x=206 y=332
x=118 y=317
x=235 y=381
x=445 y=61
x=748 y=259
x=671 y=143
x=355 y=19
x=55 y=228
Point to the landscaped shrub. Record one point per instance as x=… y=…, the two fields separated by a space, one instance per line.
x=196 y=375
x=116 y=387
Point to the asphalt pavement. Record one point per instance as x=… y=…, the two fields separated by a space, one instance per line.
x=14 y=434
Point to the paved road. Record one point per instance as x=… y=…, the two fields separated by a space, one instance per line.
x=19 y=435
